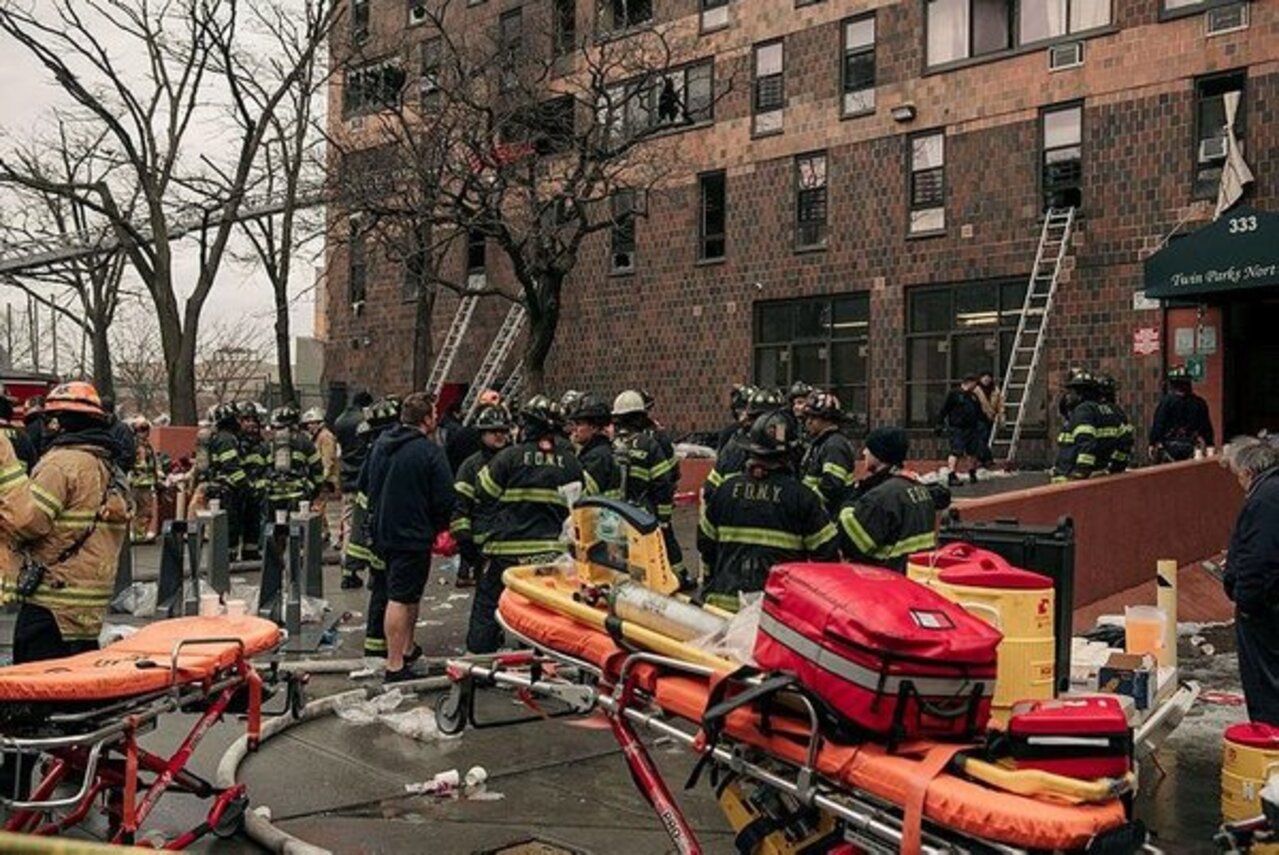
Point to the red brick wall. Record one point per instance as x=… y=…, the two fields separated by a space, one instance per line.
x=684 y=330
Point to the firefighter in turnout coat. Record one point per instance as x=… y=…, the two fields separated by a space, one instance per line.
x=889 y=513
x=470 y=523
x=830 y=461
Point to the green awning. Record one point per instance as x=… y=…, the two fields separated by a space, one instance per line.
x=1239 y=251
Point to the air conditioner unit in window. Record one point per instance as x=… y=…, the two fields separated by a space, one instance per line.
x=1226 y=19
x=417 y=13
x=1212 y=149
x=1070 y=55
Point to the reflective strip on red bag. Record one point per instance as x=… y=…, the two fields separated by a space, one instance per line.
x=861 y=676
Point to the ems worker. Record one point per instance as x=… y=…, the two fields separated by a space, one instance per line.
x=1120 y=430
x=889 y=513
x=224 y=479
x=470 y=523
x=326 y=445
x=739 y=425
x=829 y=462
x=732 y=458
x=588 y=430
x=144 y=480
x=71 y=531
x=12 y=429
x=1081 y=447
x=648 y=471
x=532 y=484
x=255 y=455
x=359 y=555
x=1181 y=422
x=761 y=517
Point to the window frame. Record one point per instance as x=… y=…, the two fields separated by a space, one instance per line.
x=1196 y=7
x=472 y=242
x=953 y=331
x=629 y=26
x=625 y=94
x=356 y=261
x=845 y=53
x=703 y=237
x=861 y=338
x=1016 y=46
x=799 y=190
x=1241 y=129
x=561 y=45
x=511 y=48
x=911 y=207
x=1044 y=148
x=709 y=9
x=429 y=76
x=361 y=21
x=368 y=107
x=756 y=79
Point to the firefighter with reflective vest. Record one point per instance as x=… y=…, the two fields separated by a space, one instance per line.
x=359 y=555
x=1120 y=429
x=737 y=399
x=530 y=485
x=1083 y=446
x=665 y=513
x=144 y=481
x=326 y=445
x=295 y=468
x=829 y=462
x=890 y=513
x=222 y=477
x=1182 y=423
x=471 y=518
x=649 y=471
x=568 y=403
x=797 y=396
x=13 y=429
x=762 y=516
x=732 y=458
x=589 y=432
x=255 y=454
x=70 y=521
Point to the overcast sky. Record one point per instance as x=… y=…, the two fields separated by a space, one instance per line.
x=26 y=96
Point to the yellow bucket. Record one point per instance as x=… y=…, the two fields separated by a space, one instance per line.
x=1248 y=758
x=1020 y=605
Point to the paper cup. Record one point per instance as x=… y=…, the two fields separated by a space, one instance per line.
x=210 y=604
x=215 y=505
x=236 y=607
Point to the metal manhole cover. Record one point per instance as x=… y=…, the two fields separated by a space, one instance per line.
x=531 y=847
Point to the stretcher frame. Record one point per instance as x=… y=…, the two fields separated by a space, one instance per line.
x=101 y=746
x=868 y=821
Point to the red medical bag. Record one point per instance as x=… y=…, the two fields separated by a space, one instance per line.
x=888 y=655
x=1085 y=738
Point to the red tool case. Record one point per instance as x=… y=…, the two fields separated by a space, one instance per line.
x=1084 y=738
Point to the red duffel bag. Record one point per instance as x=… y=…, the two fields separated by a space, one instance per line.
x=886 y=654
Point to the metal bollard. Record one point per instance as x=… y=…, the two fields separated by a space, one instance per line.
x=215 y=535
x=173 y=547
x=124 y=567
x=275 y=539
x=307 y=530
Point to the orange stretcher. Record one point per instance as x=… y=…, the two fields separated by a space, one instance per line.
x=69 y=728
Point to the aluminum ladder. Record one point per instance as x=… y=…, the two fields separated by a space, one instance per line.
x=514 y=385
x=452 y=343
x=498 y=351
x=1028 y=343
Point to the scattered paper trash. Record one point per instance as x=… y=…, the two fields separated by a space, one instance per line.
x=362 y=673
x=473 y=786
x=112 y=633
x=139 y=600
x=441 y=784
x=313 y=609
x=418 y=723
x=355 y=711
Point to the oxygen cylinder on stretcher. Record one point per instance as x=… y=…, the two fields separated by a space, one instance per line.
x=632 y=602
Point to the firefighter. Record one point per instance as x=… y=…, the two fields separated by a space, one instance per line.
x=797 y=396
x=732 y=457
x=295 y=471
x=33 y=419
x=961 y=417
x=533 y=483
x=15 y=431
x=1082 y=448
x=144 y=480
x=359 y=555
x=666 y=512
x=648 y=471
x=1120 y=427
x=223 y=479
x=589 y=427
x=466 y=441
x=829 y=461
x=470 y=523
x=1182 y=423
x=350 y=427
x=889 y=513
x=71 y=530
x=739 y=425
x=568 y=403
x=762 y=516
x=326 y=445
x=255 y=455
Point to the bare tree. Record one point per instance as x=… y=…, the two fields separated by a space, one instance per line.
x=141 y=377
x=547 y=140
x=188 y=50
x=233 y=360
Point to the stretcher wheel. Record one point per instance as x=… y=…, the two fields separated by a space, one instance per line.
x=450 y=711
x=231 y=823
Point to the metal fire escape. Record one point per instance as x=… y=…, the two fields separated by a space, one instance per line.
x=1028 y=343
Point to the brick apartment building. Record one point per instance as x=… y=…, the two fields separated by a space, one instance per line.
x=865 y=202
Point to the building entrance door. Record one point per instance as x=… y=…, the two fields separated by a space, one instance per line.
x=1252 y=365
